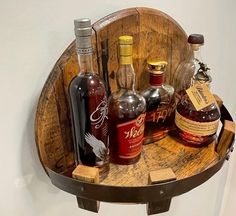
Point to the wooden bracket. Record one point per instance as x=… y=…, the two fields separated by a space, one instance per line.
x=226 y=138
x=158 y=207
x=91 y=175
x=87 y=204
x=156 y=177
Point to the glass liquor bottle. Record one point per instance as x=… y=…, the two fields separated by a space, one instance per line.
x=160 y=103
x=197 y=127
x=88 y=101
x=188 y=67
x=126 y=110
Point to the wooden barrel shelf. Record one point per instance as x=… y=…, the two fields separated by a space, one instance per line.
x=156 y=35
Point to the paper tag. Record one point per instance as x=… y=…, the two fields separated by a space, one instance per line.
x=200 y=96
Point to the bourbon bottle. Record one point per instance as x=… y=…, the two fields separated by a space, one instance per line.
x=188 y=67
x=88 y=101
x=160 y=103
x=195 y=126
x=126 y=110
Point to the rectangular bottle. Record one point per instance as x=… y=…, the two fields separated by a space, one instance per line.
x=126 y=110
x=88 y=101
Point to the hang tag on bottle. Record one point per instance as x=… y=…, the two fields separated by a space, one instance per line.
x=200 y=96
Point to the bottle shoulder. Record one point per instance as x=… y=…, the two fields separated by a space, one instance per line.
x=164 y=93
x=186 y=108
x=127 y=96
x=126 y=104
x=88 y=82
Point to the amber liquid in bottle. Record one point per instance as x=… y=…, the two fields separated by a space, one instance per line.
x=88 y=102
x=196 y=128
x=160 y=103
x=126 y=111
x=209 y=114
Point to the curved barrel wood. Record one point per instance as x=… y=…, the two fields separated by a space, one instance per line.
x=156 y=35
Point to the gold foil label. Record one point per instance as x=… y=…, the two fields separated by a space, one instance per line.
x=194 y=127
x=200 y=96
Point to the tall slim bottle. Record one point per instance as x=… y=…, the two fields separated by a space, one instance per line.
x=88 y=105
x=126 y=110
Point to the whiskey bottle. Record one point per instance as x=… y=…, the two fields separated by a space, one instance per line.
x=126 y=110
x=197 y=114
x=188 y=67
x=88 y=101
x=160 y=108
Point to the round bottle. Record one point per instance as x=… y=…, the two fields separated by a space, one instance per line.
x=196 y=127
x=126 y=110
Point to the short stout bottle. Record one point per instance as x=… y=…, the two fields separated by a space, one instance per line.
x=88 y=101
x=126 y=110
x=160 y=103
x=197 y=113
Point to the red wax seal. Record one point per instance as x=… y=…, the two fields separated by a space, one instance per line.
x=156 y=79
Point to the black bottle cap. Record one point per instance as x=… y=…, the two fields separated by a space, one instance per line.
x=196 y=39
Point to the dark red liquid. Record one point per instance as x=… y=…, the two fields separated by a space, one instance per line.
x=86 y=93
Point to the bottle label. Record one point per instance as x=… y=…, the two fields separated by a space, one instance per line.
x=98 y=138
x=200 y=96
x=160 y=114
x=99 y=115
x=130 y=137
x=194 y=127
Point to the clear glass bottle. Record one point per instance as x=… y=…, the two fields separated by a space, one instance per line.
x=126 y=110
x=196 y=128
x=160 y=103
x=88 y=100
x=188 y=67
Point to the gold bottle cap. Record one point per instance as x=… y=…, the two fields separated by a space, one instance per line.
x=155 y=66
x=125 y=40
x=125 y=49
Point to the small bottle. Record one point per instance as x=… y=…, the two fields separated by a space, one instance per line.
x=160 y=103
x=126 y=110
x=88 y=100
x=197 y=127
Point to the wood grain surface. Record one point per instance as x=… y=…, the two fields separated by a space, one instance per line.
x=167 y=153
x=156 y=35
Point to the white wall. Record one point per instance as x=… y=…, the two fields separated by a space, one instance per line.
x=33 y=34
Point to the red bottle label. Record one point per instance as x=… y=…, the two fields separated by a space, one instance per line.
x=160 y=114
x=130 y=137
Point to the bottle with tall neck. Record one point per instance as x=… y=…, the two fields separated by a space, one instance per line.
x=88 y=102
x=126 y=110
x=188 y=67
x=197 y=113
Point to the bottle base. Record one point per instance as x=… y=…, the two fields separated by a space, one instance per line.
x=103 y=171
x=122 y=161
x=191 y=140
x=150 y=138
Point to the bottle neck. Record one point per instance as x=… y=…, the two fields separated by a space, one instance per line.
x=196 y=48
x=126 y=76
x=85 y=63
x=156 y=79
